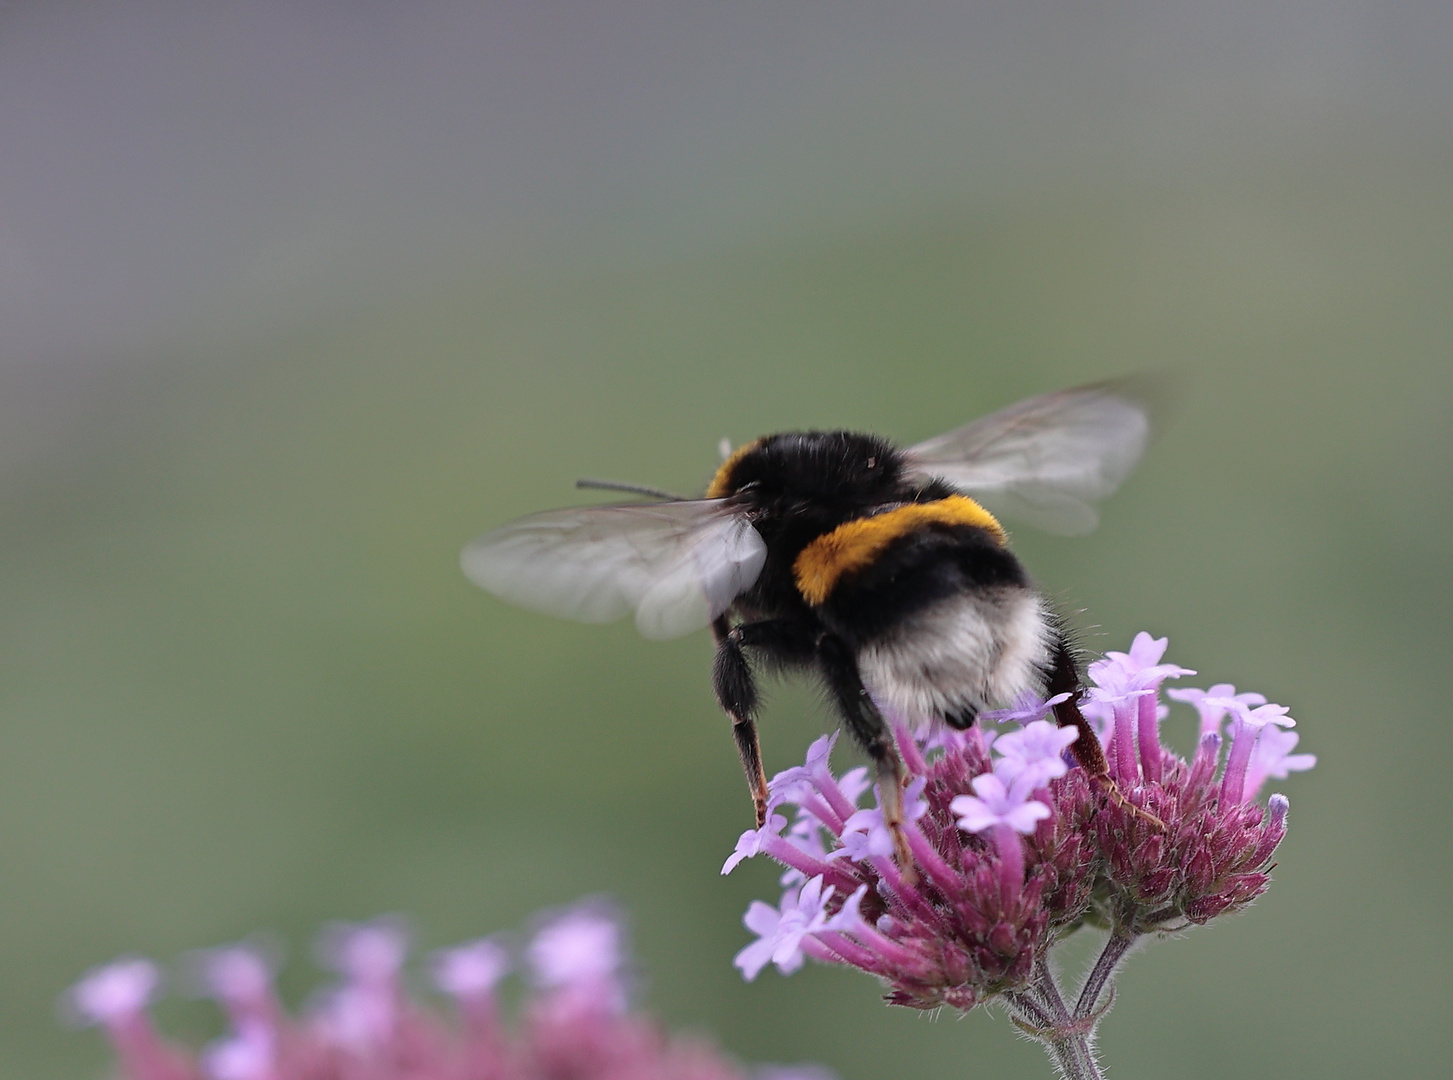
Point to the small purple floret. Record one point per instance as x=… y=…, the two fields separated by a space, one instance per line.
x=1026 y=710
x=865 y=834
x=780 y=931
x=1272 y=758
x=993 y=804
x=1035 y=754
x=1213 y=704
x=751 y=842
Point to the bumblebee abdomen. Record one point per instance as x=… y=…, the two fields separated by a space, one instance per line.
x=964 y=654
x=940 y=613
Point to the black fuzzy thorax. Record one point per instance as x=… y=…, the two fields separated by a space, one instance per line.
x=800 y=485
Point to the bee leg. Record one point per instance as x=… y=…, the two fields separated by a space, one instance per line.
x=781 y=640
x=1065 y=679
x=866 y=725
x=736 y=691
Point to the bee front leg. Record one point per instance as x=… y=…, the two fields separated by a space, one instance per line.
x=783 y=641
x=736 y=691
x=866 y=724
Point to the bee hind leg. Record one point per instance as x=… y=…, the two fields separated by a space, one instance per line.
x=867 y=726
x=1065 y=679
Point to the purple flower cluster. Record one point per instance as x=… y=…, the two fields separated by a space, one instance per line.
x=574 y=1025
x=1014 y=846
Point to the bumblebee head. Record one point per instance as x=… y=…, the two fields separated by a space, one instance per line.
x=839 y=467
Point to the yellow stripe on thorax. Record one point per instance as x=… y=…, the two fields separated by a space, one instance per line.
x=721 y=484
x=855 y=544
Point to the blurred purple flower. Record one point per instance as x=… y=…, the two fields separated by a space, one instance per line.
x=577 y=947
x=239 y=977
x=368 y=1027
x=114 y=993
x=471 y=971
x=115 y=996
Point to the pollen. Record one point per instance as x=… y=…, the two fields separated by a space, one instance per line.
x=854 y=545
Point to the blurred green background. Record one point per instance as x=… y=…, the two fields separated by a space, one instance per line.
x=295 y=300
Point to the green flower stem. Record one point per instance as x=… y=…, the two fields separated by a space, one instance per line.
x=1068 y=1037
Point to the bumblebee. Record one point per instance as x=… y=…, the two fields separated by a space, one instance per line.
x=883 y=570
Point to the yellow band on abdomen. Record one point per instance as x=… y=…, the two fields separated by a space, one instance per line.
x=855 y=544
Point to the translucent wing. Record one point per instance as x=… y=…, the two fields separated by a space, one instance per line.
x=1048 y=459
x=677 y=565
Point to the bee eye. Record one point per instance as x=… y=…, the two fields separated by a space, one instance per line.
x=750 y=485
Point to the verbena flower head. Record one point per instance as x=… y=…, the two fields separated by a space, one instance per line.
x=575 y=1022
x=1015 y=846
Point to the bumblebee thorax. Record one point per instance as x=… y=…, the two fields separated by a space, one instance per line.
x=825 y=468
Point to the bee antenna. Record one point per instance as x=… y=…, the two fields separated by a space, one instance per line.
x=634 y=489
